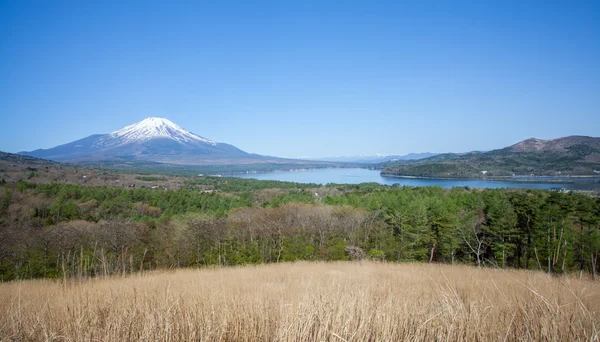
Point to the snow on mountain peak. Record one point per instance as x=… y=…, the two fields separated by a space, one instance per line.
x=151 y=128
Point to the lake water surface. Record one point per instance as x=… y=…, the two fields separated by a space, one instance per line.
x=357 y=175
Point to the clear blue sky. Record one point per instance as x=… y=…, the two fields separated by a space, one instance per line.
x=299 y=78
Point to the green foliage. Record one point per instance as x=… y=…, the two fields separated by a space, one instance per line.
x=150 y=178
x=336 y=250
x=501 y=224
x=436 y=170
x=297 y=248
x=4 y=200
x=302 y=196
x=120 y=202
x=230 y=184
x=377 y=254
x=22 y=186
x=99 y=230
x=62 y=210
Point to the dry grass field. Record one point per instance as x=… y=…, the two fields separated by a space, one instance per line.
x=306 y=302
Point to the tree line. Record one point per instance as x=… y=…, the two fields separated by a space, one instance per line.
x=58 y=230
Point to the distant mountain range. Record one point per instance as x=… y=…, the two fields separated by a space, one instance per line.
x=152 y=139
x=568 y=156
x=158 y=140
x=373 y=159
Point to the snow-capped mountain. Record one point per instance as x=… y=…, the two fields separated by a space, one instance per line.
x=152 y=139
x=151 y=128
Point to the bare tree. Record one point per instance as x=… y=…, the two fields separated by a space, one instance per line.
x=471 y=232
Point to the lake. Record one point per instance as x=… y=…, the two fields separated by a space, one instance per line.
x=358 y=175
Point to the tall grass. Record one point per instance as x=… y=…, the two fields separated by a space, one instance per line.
x=343 y=301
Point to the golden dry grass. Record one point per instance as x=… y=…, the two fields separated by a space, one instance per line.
x=306 y=302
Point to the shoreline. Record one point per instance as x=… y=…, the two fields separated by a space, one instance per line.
x=540 y=179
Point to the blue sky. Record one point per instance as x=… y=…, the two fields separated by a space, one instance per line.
x=300 y=78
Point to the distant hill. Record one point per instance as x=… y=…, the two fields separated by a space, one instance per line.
x=13 y=158
x=374 y=159
x=568 y=156
x=15 y=167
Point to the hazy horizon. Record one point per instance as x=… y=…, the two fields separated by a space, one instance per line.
x=374 y=155
x=303 y=79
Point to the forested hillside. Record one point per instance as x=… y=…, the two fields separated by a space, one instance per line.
x=60 y=230
x=569 y=156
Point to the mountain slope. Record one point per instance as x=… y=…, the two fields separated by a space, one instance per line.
x=18 y=159
x=154 y=139
x=568 y=156
x=559 y=145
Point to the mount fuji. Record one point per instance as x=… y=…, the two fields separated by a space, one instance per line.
x=152 y=139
